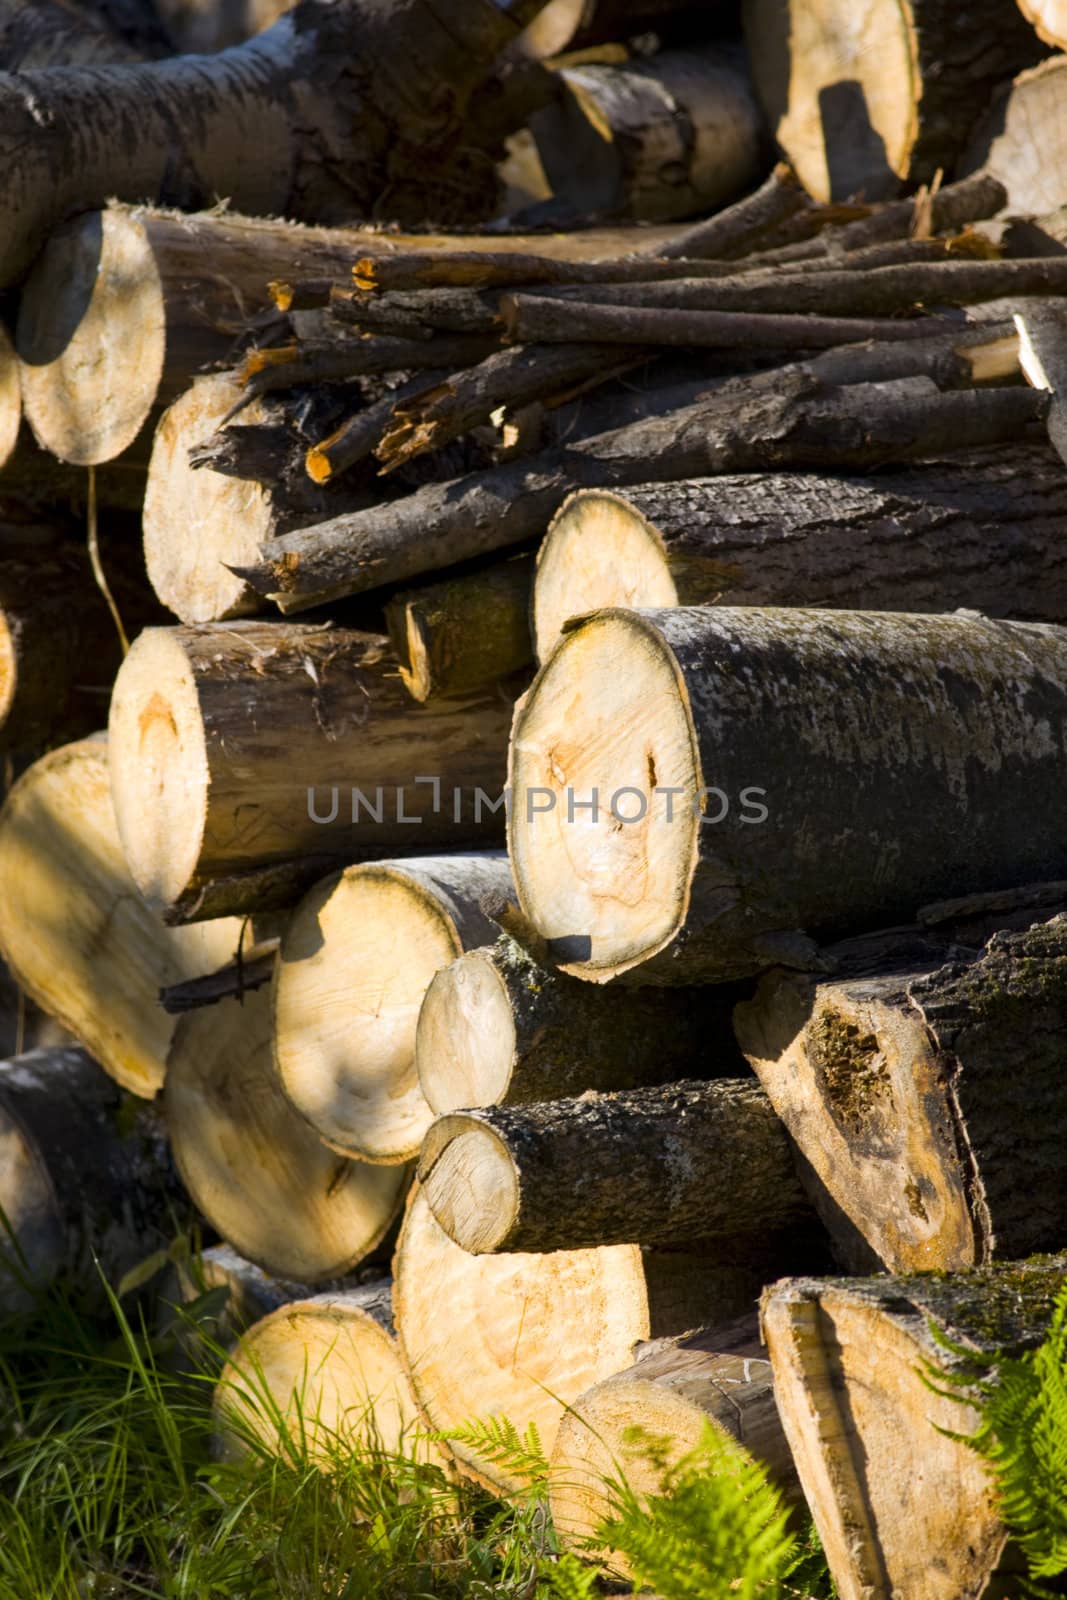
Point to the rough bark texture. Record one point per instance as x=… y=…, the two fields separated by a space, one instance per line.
x=738 y=429
x=1004 y=146
x=979 y=530
x=86 y=1172
x=673 y=1165
x=864 y=107
x=903 y=1506
x=55 y=33
x=839 y=720
x=305 y=121
x=465 y=632
x=565 y=1037
x=926 y=1100
x=272 y=710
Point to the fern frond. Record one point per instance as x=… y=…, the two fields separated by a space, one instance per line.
x=498 y=1440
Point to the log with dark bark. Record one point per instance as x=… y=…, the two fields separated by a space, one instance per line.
x=300 y=121
x=506 y=1359
x=255 y=1169
x=319 y=1372
x=360 y=950
x=928 y=1102
x=77 y=935
x=464 y=632
x=742 y=427
x=225 y=768
x=674 y=1389
x=665 y=1165
x=1004 y=145
x=652 y=140
x=979 y=530
x=497 y=1027
x=902 y=1503
x=753 y=717
x=865 y=110
x=86 y=1181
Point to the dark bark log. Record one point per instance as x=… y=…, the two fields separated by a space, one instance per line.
x=740 y=428
x=237 y=978
x=336 y=356
x=865 y=110
x=665 y=1166
x=465 y=632
x=902 y=1504
x=980 y=530
x=927 y=1102
x=304 y=121
x=1004 y=145
x=652 y=140
x=418 y=314
x=498 y=1027
x=225 y=758
x=762 y=704
x=85 y=1178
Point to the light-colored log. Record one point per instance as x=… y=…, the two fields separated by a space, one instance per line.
x=902 y=1504
x=499 y=1028
x=10 y=398
x=254 y=748
x=755 y=774
x=1049 y=17
x=670 y=1394
x=1004 y=143
x=77 y=935
x=354 y=966
x=522 y=1336
x=256 y=1170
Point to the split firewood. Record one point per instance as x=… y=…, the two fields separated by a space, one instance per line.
x=652 y=140
x=902 y=1504
x=1049 y=17
x=465 y=632
x=77 y=935
x=867 y=110
x=86 y=1182
x=801 y=422
x=333 y=137
x=53 y=33
x=1003 y=143
x=504 y=1361
x=667 y=1165
x=225 y=767
x=706 y=887
x=979 y=530
x=319 y=1374
x=255 y=1169
x=1043 y=358
x=568 y=25
x=354 y=966
x=499 y=1028
x=895 y=1086
x=673 y=1390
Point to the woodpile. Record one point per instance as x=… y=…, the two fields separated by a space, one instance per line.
x=510 y=1032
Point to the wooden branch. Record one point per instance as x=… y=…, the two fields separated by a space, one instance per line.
x=334 y=358
x=740 y=228
x=417 y=314
x=720 y=896
x=255 y=1169
x=465 y=632
x=237 y=978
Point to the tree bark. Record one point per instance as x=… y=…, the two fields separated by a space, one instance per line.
x=865 y=110
x=979 y=530
x=739 y=428
x=499 y=1028
x=465 y=632
x=75 y=932
x=653 y=140
x=1003 y=144
x=927 y=1101
x=665 y=1165
x=810 y=821
x=86 y=1181
x=673 y=1390
x=255 y=1169
x=361 y=950
x=54 y=33
x=902 y=1504
x=224 y=752
x=303 y=121
x=482 y=1336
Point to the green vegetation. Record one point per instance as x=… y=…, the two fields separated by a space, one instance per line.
x=110 y=1490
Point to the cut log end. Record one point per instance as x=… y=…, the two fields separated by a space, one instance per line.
x=10 y=399
x=1048 y=18
x=607 y=888
x=159 y=768
x=91 y=337
x=197 y=522
x=470 y=1182
x=466 y=1030
x=599 y=551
